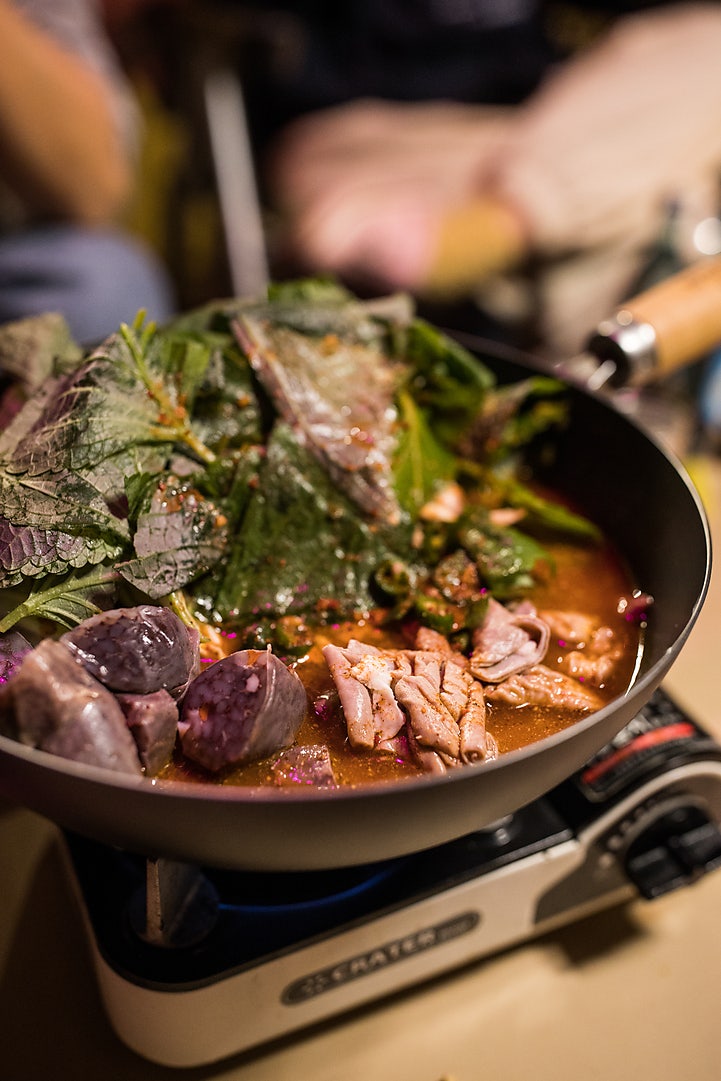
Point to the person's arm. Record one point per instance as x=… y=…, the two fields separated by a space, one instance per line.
x=364 y=188
x=423 y=197
x=60 y=148
x=631 y=125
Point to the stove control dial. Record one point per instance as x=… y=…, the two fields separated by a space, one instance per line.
x=676 y=849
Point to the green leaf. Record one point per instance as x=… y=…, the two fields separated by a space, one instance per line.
x=513 y=416
x=263 y=411
x=327 y=558
x=226 y=411
x=145 y=355
x=550 y=514
x=319 y=307
x=179 y=536
x=45 y=500
x=316 y=291
x=30 y=348
x=447 y=380
x=185 y=361
x=67 y=601
x=421 y=464
x=139 y=489
x=87 y=416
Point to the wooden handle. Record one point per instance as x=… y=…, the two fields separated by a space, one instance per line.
x=684 y=312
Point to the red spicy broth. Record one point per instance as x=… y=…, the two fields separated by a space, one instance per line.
x=593 y=575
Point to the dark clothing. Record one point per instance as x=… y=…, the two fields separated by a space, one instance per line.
x=474 y=51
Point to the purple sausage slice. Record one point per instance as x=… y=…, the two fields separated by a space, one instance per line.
x=60 y=708
x=136 y=650
x=152 y=720
x=243 y=707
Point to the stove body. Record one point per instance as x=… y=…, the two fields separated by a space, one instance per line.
x=248 y=958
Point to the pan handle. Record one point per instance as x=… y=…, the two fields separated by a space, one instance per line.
x=661 y=330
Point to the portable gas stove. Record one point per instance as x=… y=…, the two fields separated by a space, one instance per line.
x=194 y=966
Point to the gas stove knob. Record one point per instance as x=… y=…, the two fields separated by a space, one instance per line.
x=675 y=850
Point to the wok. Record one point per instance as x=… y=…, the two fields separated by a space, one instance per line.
x=641 y=497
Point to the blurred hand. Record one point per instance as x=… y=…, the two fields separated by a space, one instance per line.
x=439 y=196
x=366 y=188
x=615 y=135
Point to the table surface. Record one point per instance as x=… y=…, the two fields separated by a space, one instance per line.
x=627 y=994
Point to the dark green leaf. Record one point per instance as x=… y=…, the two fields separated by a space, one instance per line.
x=317 y=291
x=226 y=410
x=46 y=499
x=421 y=464
x=507 y=559
x=179 y=536
x=184 y=360
x=327 y=558
x=447 y=381
x=547 y=513
x=513 y=416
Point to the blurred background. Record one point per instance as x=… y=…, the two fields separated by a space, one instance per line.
x=572 y=116
x=520 y=166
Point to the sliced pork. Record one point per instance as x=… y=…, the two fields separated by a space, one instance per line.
x=355 y=698
x=597 y=648
x=428 y=760
x=597 y=661
x=428 y=639
x=508 y=641
x=476 y=742
x=569 y=627
x=374 y=669
x=418 y=689
x=543 y=686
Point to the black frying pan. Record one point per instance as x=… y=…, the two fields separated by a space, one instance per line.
x=639 y=495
